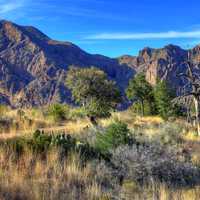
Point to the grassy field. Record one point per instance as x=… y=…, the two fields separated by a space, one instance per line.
x=162 y=162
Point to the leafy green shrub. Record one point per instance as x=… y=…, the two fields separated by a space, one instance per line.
x=116 y=134
x=58 y=112
x=66 y=142
x=41 y=142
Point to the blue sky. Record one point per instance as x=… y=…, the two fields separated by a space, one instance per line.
x=110 y=27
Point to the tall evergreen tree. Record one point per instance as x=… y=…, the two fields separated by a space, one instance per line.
x=163 y=97
x=141 y=91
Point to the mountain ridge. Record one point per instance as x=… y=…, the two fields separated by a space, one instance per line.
x=33 y=67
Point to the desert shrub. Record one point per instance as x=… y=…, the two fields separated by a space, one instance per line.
x=104 y=176
x=58 y=112
x=116 y=134
x=43 y=142
x=147 y=163
x=40 y=142
x=169 y=134
x=66 y=143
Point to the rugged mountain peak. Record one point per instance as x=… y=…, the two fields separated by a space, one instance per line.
x=146 y=51
x=11 y=31
x=175 y=51
x=145 y=54
x=195 y=54
x=164 y=63
x=33 y=67
x=172 y=47
x=16 y=33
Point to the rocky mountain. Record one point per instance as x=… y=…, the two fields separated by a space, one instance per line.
x=164 y=64
x=33 y=67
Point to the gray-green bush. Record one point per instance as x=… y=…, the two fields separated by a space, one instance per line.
x=147 y=163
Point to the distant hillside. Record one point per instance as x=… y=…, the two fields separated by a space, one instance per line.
x=33 y=67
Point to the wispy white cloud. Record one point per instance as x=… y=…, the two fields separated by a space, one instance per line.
x=6 y=7
x=79 y=8
x=141 y=36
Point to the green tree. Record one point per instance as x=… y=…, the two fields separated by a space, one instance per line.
x=140 y=90
x=163 y=97
x=92 y=90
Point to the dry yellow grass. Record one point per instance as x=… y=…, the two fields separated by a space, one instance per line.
x=47 y=179
x=40 y=178
x=191 y=135
x=69 y=127
x=157 y=191
x=131 y=119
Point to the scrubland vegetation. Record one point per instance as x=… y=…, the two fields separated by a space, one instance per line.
x=126 y=157
x=94 y=152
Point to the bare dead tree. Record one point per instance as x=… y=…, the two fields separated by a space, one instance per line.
x=191 y=91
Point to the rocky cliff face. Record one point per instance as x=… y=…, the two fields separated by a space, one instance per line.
x=165 y=64
x=33 y=67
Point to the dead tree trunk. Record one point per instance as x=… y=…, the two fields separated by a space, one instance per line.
x=142 y=106
x=194 y=94
x=196 y=104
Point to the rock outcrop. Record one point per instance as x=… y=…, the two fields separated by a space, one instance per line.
x=164 y=64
